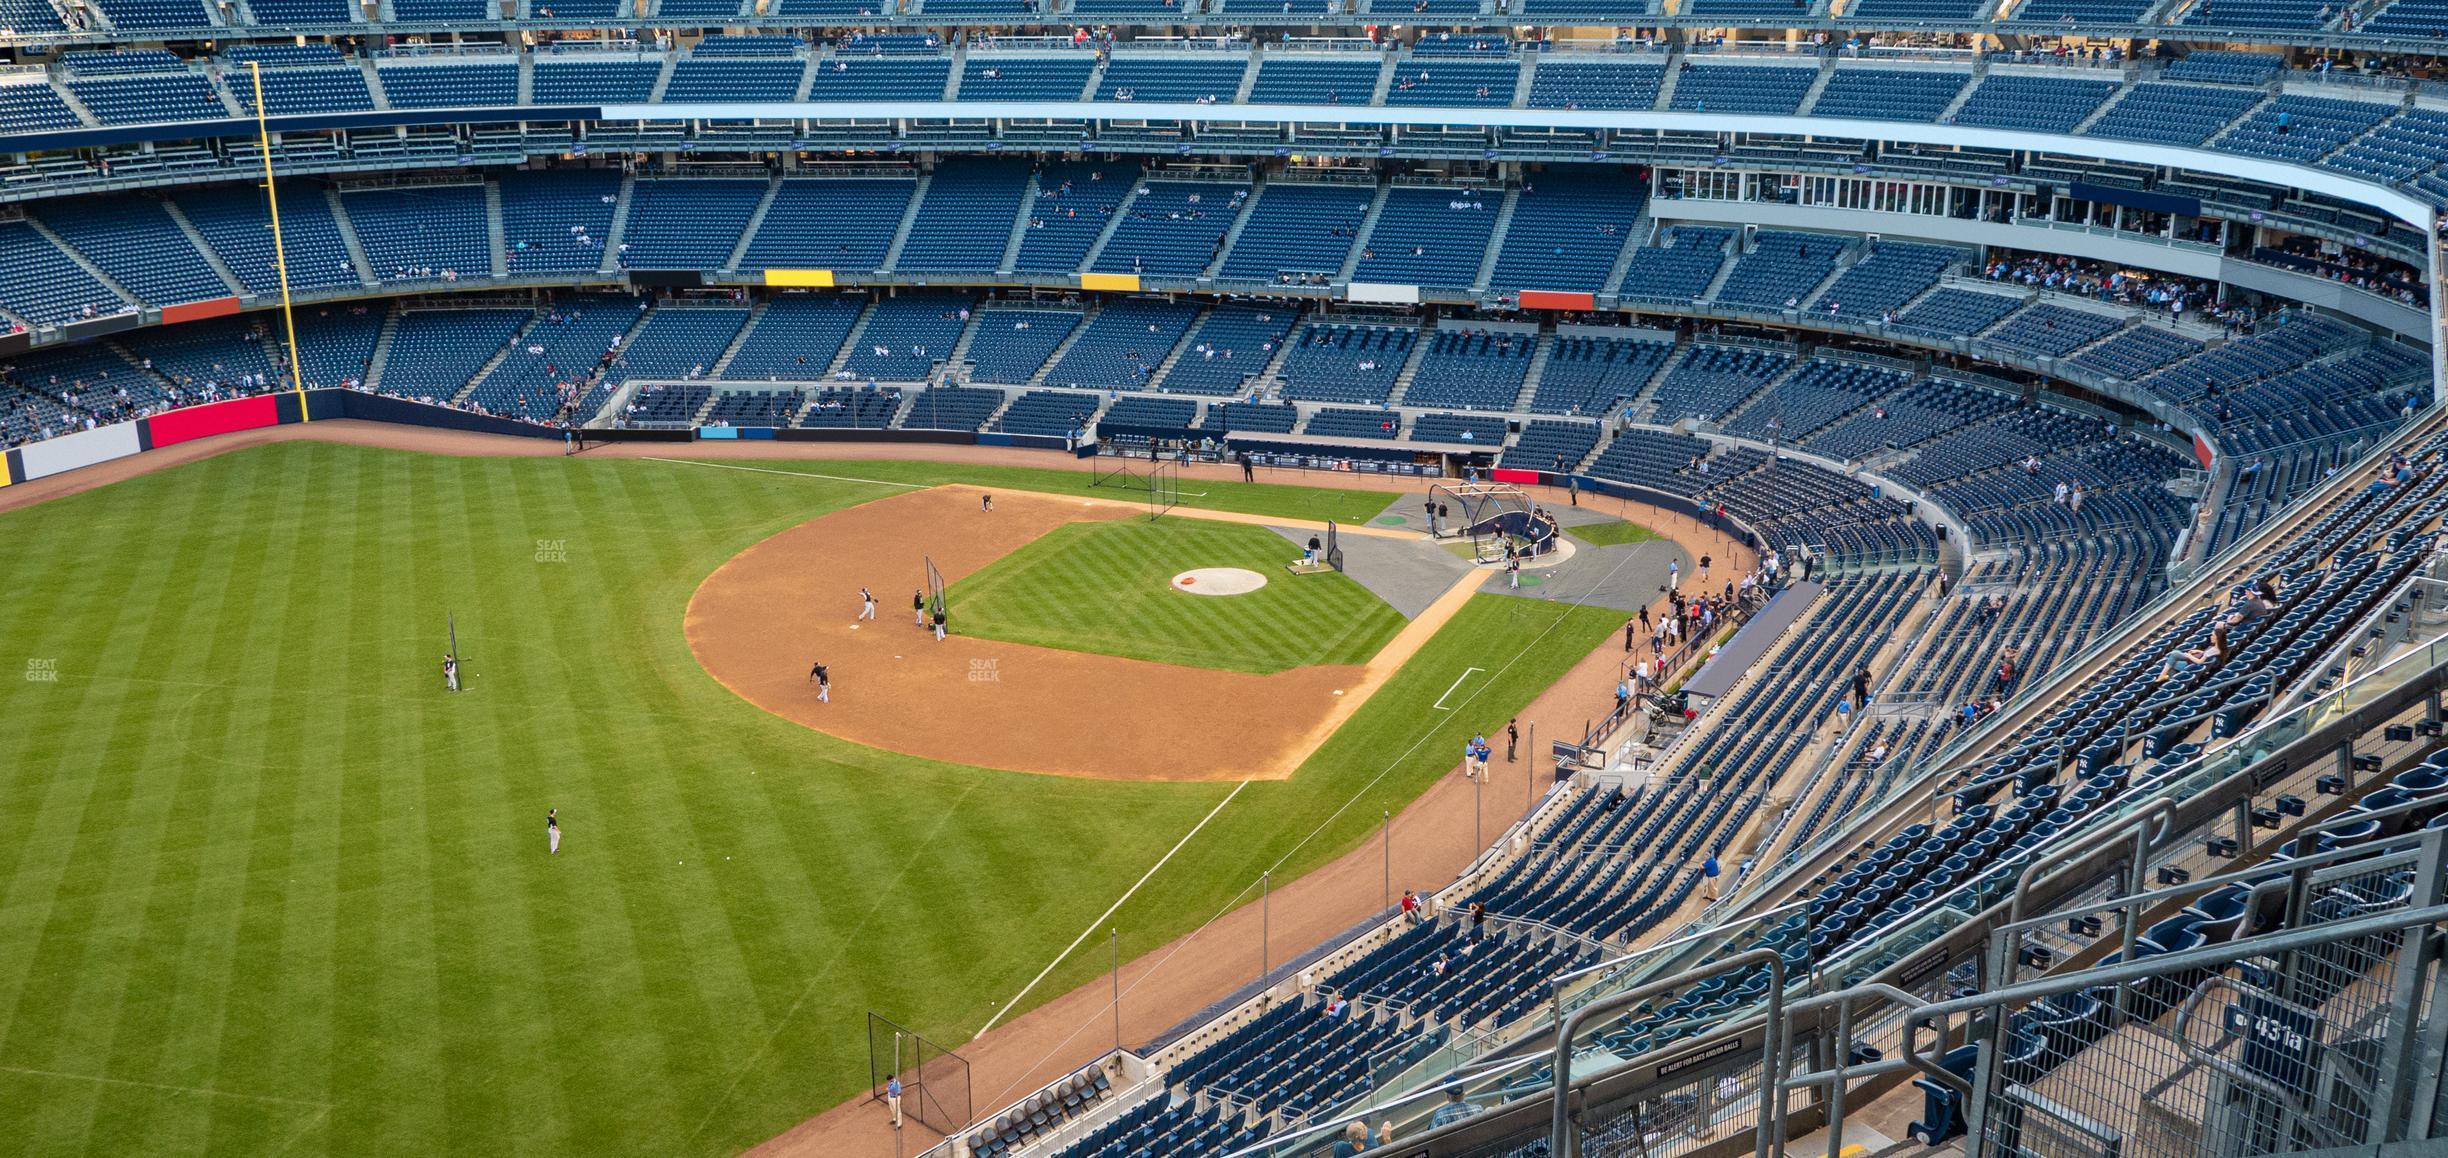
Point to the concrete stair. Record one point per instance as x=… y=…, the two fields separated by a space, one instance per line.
x=909 y=215
x=1410 y=369
x=1060 y=348
x=381 y=359
x=348 y=236
x=756 y=219
x=85 y=263
x=1121 y=212
x=211 y=256
x=1495 y=242
x=1360 y=237
x=494 y=244
x=850 y=342
x=1538 y=368
x=499 y=356
x=756 y=313
x=1019 y=229
x=620 y=224
x=1232 y=236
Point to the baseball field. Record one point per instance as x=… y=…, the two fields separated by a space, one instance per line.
x=267 y=888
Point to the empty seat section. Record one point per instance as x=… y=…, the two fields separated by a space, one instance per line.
x=1315 y=80
x=1574 y=84
x=1297 y=233
x=907 y=334
x=795 y=338
x=492 y=84
x=422 y=233
x=1888 y=94
x=1011 y=345
x=1174 y=77
x=557 y=219
x=1233 y=343
x=837 y=223
x=1588 y=374
x=1172 y=228
x=967 y=216
x=1472 y=369
x=681 y=224
x=1335 y=363
x=1430 y=237
x=2047 y=104
x=1123 y=345
x=1025 y=78
x=1678 y=267
x=1073 y=203
x=134 y=240
x=238 y=225
x=1567 y=230
x=1725 y=88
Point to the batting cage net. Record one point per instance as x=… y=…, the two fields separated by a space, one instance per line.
x=1493 y=516
x=1118 y=469
x=1334 y=546
x=934 y=1080
x=934 y=587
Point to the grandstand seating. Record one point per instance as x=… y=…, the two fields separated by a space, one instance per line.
x=2053 y=331
x=676 y=224
x=724 y=77
x=951 y=408
x=1893 y=274
x=1336 y=363
x=907 y=334
x=1025 y=78
x=796 y=337
x=1781 y=270
x=2045 y=104
x=2173 y=114
x=1347 y=422
x=1008 y=345
x=967 y=205
x=1711 y=381
x=1475 y=370
x=1551 y=445
x=557 y=219
x=846 y=77
x=1429 y=237
x=1297 y=230
x=138 y=245
x=423 y=232
x=1485 y=430
x=1567 y=231
x=1122 y=345
x=238 y=225
x=1594 y=375
x=1575 y=84
x=1172 y=227
x=1233 y=343
x=837 y=223
x=1679 y=268
x=1048 y=414
x=2302 y=128
x=1718 y=88
x=453 y=345
x=1168 y=77
x=1950 y=311
x=679 y=343
x=1320 y=80
x=610 y=77
x=149 y=96
x=861 y=408
x=1074 y=202
x=1440 y=82
x=1888 y=94
x=1815 y=395
x=451 y=85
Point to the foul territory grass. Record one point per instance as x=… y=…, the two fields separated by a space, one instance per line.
x=1305 y=503
x=1611 y=533
x=1108 y=588
x=265 y=888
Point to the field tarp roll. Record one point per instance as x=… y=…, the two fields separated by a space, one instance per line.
x=84 y=448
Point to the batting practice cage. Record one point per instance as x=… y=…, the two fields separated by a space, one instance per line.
x=1156 y=478
x=934 y=588
x=1334 y=546
x=934 y=1080
x=1492 y=516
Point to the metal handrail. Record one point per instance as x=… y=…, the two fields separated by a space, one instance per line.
x=1563 y=1141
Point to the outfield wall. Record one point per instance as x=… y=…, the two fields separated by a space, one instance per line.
x=169 y=428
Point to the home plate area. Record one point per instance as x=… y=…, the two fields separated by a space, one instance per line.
x=1219 y=581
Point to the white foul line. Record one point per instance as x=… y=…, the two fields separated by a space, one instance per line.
x=793 y=473
x=1449 y=689
x=1059 y=958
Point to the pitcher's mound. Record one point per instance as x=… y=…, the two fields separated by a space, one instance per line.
x=1219 y=581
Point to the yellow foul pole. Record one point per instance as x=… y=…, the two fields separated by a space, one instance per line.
x=280 y=253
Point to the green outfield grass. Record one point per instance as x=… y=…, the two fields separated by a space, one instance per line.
x=1107 y=588
x=1611 y=533
x=266 y=889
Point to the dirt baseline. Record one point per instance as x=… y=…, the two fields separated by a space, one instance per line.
x=760 y=620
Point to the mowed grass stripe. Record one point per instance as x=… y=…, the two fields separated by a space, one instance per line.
x=1107 y=588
